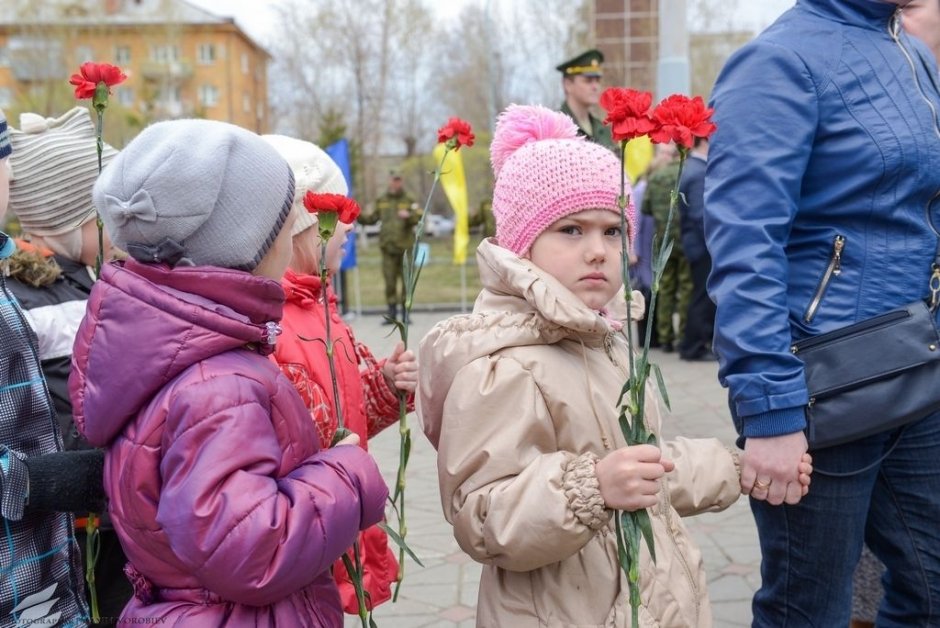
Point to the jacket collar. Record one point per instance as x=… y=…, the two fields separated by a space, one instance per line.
x=512 y=284
x=864 y=13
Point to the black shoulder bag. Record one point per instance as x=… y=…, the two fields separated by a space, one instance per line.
x=876 y=375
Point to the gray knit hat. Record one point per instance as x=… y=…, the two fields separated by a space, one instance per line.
x=55 y=164
x=196 y=191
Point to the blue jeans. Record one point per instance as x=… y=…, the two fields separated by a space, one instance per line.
x=810 y=550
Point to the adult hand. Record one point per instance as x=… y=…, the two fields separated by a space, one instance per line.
x=401 y=369
x=403 y=213
x=628 y=478
x=771 y=468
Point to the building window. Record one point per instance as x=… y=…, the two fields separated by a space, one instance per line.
x=4 y=56
x=245 y=67
x=83 y=54
x=205 y=54
x=208 y=95
x=246 y=102
x=261 y=111
x=122 y=55
x=6 y=97
x=125 y=96
x=170 y=95
x=164 y=53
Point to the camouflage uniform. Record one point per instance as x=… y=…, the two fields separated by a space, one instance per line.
x=484 y=216
x=396 y=236
x=675 y=285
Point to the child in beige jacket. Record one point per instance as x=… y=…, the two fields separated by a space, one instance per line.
x=521 y=400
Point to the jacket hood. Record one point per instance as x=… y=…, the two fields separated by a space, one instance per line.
x=875 y=13
x=520 y=305
x=145 y=324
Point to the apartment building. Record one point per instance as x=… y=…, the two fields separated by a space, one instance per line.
x=181 y=60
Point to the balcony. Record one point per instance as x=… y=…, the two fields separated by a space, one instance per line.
x=173 y=70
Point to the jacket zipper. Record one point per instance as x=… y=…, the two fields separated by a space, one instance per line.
x=834 y=269
x=894 y=30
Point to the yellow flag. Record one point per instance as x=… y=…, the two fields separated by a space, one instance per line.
x=454 y=184
x=638 y=157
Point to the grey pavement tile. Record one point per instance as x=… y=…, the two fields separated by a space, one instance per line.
x=731 y=614
x=470 y=592
x=730 y=588
x=401 y=621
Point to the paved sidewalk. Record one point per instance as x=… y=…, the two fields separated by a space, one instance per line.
x=443 y=593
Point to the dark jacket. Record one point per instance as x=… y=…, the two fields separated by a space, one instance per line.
x=54 y=311
x=692 y=208
x=826 y=133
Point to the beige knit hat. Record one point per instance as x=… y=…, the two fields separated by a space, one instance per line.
x=314 y=171
x=55 y=165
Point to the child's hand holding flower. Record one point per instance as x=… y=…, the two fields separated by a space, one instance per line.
x=401 y=369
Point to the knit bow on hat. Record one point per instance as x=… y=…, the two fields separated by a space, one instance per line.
x=139 y=206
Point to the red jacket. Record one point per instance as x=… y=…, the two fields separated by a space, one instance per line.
x=369 y=405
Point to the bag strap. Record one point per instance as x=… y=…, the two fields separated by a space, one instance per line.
x=882 y=458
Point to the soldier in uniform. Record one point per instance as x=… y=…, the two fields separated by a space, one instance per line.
x=675 y=285
x=399 y=214
x=484 y=216
x=581 y=80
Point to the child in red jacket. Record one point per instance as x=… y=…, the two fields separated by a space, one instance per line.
x=368 y=388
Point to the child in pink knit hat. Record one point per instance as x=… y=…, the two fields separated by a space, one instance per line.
x=521 y=399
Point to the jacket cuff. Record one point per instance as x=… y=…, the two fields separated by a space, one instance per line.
x=583 y=492
x=736 y=459
x=774 y=422
x=67 y=481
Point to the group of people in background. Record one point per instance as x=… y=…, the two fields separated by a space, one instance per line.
x=181 y=393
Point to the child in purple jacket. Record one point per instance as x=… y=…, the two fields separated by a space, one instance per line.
x=229 y=509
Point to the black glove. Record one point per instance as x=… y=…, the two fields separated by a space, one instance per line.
x=67 y=481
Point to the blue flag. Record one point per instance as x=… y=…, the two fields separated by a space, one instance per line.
x=339 y=153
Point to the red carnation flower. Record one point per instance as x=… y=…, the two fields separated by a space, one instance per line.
x=456 y=133
x=90 y=74
x=628 y=112
x=344 y=207
x=680 y=119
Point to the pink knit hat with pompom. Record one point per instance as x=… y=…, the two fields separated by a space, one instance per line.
x=545 y=171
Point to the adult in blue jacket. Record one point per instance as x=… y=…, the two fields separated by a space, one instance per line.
x=821 y=210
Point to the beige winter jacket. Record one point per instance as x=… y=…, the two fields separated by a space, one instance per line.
x=520 y=398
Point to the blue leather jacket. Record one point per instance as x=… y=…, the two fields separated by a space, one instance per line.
x=821 y=194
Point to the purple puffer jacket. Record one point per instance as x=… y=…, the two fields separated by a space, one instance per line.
x=228 y=510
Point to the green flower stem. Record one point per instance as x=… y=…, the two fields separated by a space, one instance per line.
x=411 y=271
x=92 y=544
x=99 y=259
x=92 y=547
x=353 y=567
x=631 y=527
x=337 y=406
